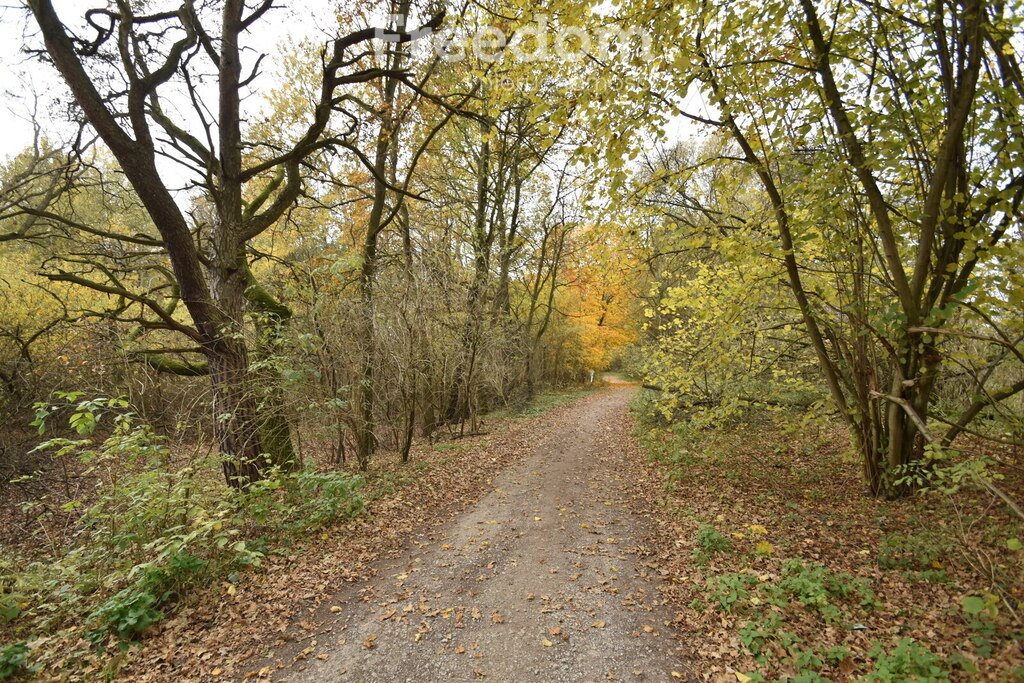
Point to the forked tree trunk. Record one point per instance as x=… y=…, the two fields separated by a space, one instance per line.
x=884 y=433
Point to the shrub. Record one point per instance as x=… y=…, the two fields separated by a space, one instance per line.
x=805 y=660
x=756 y=634
x=14 y=661
x=929 y=576
x=908 y=661
x=913 y=552
x=730 y=590
x=837 y=653
x=817 y=587
x=709 y=543
x=126 y=614
x=326 y=496
x=156 y=529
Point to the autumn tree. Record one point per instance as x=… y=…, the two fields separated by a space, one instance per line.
x=123 y=77
x=884 y=138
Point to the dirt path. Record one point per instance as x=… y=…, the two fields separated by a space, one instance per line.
x=542 y=580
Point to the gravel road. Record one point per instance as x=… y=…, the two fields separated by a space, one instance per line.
x=542 y=580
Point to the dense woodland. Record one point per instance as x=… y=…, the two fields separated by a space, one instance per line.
x=243 y=285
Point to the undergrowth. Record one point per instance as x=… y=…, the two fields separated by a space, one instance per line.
x=154 y=531
x=541 y=403
x=160 y=526
x=818 y=582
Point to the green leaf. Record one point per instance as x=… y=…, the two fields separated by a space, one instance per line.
x=972 y=605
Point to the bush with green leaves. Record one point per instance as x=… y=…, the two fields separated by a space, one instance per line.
x=756 y=634
x=731 y=591
x=918 y=551
x=158 y=525
x=819 y=588
x=13 y=591
x=301 y=500
x=14 y=661
x=709 y=543
x=126 y=614
x=908 y=661
x=982 y=614
x=133 y=609
x=806 y=661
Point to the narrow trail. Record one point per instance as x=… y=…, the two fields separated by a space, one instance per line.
x=542 y=580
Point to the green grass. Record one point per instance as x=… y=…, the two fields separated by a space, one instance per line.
x=542 y=403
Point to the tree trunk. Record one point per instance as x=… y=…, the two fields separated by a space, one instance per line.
x=123 y=121
x=365 y=438
x=387 y=139
x=235 y=415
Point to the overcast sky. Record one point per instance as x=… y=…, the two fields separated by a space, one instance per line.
x=23 y=78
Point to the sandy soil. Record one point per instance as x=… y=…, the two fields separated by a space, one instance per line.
x=543 y=580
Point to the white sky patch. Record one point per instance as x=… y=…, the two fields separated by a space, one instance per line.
x=27 y=85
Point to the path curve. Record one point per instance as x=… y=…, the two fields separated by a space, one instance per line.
x=542 y=580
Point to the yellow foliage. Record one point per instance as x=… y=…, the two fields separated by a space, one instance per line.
x=602 y=300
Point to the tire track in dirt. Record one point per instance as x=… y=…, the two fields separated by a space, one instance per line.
x=542 y=580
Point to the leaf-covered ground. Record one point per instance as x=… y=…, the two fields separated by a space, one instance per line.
x=782 y=568
x=307 y=604
x=582 y=542
x=547 y=578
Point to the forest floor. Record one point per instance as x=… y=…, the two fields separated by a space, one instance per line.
x=573 y=543
x=782 y=568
